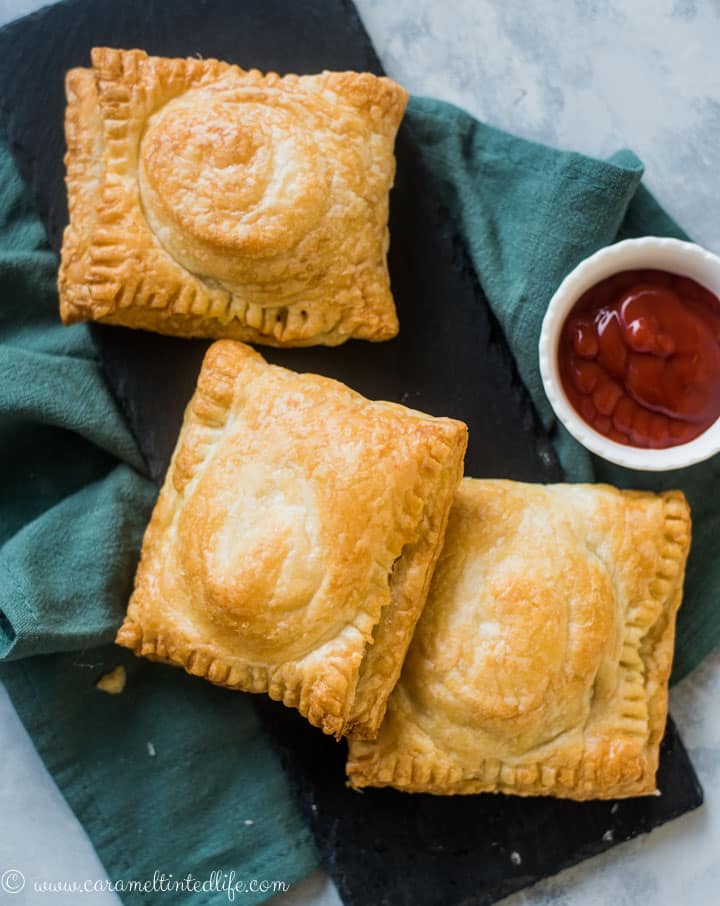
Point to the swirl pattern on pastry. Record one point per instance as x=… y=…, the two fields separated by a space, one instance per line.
x=243 y=172
x=210 y=201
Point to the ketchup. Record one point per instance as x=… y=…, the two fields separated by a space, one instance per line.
x=639 y=358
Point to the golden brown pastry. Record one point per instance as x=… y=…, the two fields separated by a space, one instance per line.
x=293 y=542
x=541 y=661
x=210 y=201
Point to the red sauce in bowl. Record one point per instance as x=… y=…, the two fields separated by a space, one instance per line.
x=639 y=358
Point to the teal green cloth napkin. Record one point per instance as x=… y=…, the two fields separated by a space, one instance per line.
x=166 y=776
x=529 y=214
x=173 y=776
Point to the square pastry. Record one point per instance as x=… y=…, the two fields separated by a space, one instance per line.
x=293 y=542
x=206 y=200
x=540 y=664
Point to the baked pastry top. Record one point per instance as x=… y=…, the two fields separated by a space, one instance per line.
x=206 y=200
x=293 y=542
x=540 y=664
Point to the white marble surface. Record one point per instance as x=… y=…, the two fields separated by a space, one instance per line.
x=592 y=75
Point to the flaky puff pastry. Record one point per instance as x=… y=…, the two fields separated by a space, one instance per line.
x=210 y=201
x=293 y=542
x=540 y=664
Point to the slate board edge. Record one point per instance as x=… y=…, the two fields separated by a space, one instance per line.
x=510 y=885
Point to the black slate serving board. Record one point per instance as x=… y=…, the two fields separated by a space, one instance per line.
x=381 y=847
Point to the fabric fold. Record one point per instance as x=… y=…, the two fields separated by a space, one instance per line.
x=84 y=405
x=48 y=607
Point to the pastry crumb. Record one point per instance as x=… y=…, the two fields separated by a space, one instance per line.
x=112 y=682
x=248 y=823
x=151 y=749
x=515 y=858
x=615 y=809
x=608 y=836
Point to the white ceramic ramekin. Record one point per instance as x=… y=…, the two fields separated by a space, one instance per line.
x=671 y=255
